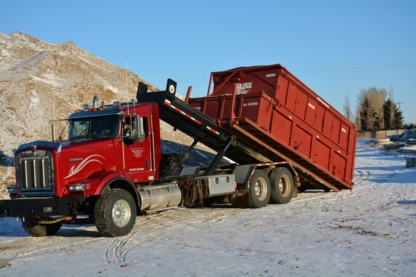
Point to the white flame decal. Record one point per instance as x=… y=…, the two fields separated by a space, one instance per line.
x=74 y=170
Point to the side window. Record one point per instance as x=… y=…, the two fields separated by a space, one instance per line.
x=136 y=128
x=128 y=129
x=144 y=123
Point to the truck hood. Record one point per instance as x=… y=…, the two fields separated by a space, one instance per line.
x=42 y=143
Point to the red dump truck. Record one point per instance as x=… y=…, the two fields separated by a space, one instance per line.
x=110 y=167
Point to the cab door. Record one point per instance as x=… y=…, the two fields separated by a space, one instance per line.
x=137 y=158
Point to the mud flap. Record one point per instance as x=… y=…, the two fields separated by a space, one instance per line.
x=240 y=199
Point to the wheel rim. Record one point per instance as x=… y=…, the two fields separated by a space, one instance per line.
x=284 y=185
x=121 y=213
x=260 y=189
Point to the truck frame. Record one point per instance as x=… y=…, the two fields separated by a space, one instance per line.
x=111 y=167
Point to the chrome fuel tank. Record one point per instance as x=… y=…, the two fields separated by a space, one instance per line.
x=160 y=197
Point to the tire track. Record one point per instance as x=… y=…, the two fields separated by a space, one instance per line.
x=120 y=246
x=14 y=249
x=27 y=246
x=363 y=176
x=159 y=224
x=146 y=229
x=117 y=251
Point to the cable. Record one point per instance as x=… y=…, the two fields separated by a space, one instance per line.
x=357 y=68
x=340 y=81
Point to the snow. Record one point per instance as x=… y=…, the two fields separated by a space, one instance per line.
x=113 y=89
x=369 y=231
x=31 y=62
x=49 y=78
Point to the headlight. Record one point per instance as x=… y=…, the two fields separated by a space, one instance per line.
x=76 y=188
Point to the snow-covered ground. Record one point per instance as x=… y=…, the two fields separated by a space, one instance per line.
x=370 y=231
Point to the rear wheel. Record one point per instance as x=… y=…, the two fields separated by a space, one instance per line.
x=281 y=181
x=35 y=229
x=259 y=191
x=115 y=213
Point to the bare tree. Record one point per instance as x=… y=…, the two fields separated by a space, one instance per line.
x=374 y=114
x=380 y=97
x=347 y=108
x=366 y=111
x=358 y=117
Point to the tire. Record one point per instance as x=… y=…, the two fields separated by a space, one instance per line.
x=259 y=191
x=35 y=229
x=282 y=185
x=115 y=213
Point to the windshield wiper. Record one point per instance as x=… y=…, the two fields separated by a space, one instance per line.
x=80 y=135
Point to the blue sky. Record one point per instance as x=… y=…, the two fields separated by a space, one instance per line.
x=335 y=47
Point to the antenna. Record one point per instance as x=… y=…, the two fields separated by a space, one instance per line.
x=127 y=87
x=54 y=109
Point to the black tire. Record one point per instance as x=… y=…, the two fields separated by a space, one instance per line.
x=259 y=191
x=281 y=181
x=35 y=229
x=115 y=213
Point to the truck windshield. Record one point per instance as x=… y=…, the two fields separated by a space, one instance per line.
x=93 y=128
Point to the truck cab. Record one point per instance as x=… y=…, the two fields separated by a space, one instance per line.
x=104 y=152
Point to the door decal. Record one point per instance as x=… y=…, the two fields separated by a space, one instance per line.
x=137 y=152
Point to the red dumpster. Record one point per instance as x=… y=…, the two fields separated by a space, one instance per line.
x=280 y=116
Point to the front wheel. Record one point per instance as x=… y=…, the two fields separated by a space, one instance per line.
x=115 y=213
x=259 y=191
x=35 y=229
x=282 y=185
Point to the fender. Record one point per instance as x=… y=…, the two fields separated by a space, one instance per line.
x=97 y=181
x=111 y=178
x=116 y=177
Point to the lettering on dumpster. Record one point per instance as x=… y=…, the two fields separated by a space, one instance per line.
x=312 y=106
x=243 y=88
x=250 y=104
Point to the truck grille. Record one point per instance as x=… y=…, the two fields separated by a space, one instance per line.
x=35 y=173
